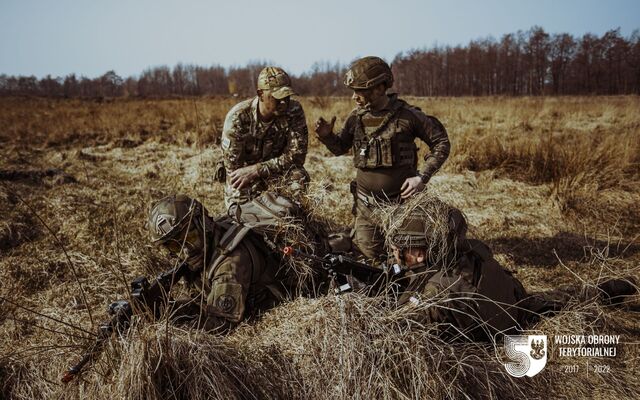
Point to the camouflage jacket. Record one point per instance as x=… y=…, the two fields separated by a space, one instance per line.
x=385 y=139
x=276 y=146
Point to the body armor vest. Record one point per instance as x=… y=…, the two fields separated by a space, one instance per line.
x=389 y=145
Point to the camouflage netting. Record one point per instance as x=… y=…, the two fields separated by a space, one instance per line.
x=425 y=221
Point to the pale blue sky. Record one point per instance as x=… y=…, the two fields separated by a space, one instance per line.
x=90 y=37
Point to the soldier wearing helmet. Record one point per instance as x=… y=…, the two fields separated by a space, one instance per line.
x=472 y=295
x=381 y=132
x=264 y=138
x=233 y=266
x=462 y=285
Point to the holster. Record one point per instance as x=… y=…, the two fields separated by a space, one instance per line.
x=353 y=188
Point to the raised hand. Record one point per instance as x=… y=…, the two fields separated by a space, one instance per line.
x=324 y=128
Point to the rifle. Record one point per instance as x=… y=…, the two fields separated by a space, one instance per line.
x=339 y=266
x=145 y=296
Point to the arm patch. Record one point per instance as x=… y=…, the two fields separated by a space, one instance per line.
x=225 y=143
x=226 y=300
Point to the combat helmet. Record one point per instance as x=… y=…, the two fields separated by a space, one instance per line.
x=435 y=226
x=179 y=223
x=368 y=72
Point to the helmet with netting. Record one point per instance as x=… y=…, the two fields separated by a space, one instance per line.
x=182 y=225
x=431 y=224
x=368 y=72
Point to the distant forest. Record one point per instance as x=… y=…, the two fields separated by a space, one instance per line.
x=523 y=63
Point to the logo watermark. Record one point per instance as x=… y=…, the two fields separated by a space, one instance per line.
x=528 y=354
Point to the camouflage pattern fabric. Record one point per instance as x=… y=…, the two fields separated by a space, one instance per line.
x=278 y=147
x=277 y=81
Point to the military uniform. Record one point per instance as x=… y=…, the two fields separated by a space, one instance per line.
x=244 y=281
x=477 y=297
x=385 y=154
x=279 y=147
x=232 y=266
x=467 y=291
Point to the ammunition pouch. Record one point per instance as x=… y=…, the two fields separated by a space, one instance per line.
x=406 y=154
x=382 y=152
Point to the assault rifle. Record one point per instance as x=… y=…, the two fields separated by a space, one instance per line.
x=145 y=296
x=339 y=267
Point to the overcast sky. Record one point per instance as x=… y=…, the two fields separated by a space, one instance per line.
x=90 y=37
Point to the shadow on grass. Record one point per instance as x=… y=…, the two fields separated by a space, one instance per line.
x=567 y=245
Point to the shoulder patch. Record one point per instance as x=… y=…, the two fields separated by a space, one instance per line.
x=225 y=142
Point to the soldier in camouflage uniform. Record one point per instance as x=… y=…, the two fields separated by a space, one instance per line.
x=264 y=138
x=469 y=293
x=381 y=131
x=479 y=296
x=230 y=264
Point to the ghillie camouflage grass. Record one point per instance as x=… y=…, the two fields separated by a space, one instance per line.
x=550 y=184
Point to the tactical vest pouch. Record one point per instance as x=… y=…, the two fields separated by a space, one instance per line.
x=373 y=153
x=360 y=150
x=407 y=154
x=385 y=150
x=267 y=149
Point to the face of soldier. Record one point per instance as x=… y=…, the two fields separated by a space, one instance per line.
x=270 y=106
x=410 y=256
x=189 y=248
x=367 y=98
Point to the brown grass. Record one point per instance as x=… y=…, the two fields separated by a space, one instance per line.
x=550 y=184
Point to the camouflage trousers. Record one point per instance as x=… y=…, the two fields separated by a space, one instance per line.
x=295 y=181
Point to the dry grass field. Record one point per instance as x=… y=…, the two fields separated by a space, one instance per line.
x=551 y=184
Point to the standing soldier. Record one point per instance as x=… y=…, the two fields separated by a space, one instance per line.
x=264 y=138
x=381 y=131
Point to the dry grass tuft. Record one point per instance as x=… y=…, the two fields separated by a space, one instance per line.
x=332 y=347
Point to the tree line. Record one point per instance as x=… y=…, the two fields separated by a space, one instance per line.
x=522 y=63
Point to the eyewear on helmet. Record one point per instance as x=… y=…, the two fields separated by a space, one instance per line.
x=363 y=92
x=190 y=243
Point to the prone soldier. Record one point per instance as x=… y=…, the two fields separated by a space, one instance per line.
x=465 y=290
x=381 y=131
x=230 y=263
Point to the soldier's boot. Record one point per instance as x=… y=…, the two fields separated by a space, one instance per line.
x=617 y=291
